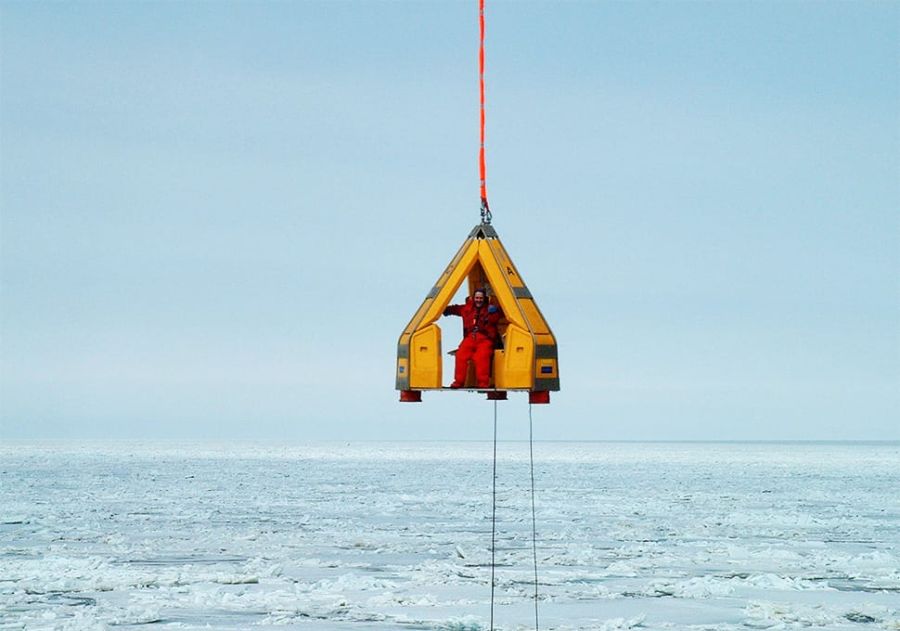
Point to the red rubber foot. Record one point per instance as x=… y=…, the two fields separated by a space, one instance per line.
x=410 y=396
x=539 y=396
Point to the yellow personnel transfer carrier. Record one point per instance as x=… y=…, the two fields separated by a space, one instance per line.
x=527 y=358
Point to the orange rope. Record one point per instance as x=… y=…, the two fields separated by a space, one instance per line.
x=485 y=209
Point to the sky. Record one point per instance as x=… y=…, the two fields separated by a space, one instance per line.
x=217 y=217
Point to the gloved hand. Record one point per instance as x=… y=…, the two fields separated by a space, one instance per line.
x=447 y=311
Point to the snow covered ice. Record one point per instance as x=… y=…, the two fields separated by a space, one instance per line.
x=337 y=536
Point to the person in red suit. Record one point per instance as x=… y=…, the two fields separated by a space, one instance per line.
x=479 y=338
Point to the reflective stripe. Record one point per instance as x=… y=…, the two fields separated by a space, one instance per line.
x=546 y=384
x=521 y=292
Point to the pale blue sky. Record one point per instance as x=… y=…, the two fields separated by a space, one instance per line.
x=218 y=217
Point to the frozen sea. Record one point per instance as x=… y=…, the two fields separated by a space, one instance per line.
x=373 y=536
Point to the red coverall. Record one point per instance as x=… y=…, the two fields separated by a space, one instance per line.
x=479 y=339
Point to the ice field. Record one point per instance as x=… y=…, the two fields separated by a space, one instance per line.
x=374 y=536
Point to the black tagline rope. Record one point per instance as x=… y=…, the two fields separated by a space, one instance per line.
x=533 y=516
x=494 y=518
x=533 y=519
